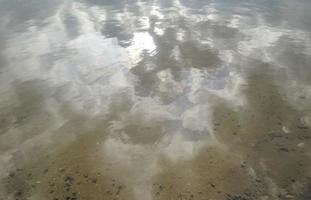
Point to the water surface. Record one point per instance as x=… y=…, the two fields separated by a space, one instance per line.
x=161 y=99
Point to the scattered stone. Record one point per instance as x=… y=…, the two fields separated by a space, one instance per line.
x=288 y=196
x=285 y=130
x=11 y=175
x=119 y=190
x=304 y=137
x=61 y=169
x=94 y=180
x=161 y=187
x=18 y=194
x=258 y=180
x=230 y=197
x=243 y=164
x=284 y=149
x=275 y=135
x=301 y=145
x=51 y=184
x=71 y=198
x=302 y=127
x=248 y=194
x=68 y=179
x=302 y=97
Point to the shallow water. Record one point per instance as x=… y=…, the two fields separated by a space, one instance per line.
x=162 y=99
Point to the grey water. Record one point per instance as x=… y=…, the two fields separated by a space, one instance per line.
x=155 y=99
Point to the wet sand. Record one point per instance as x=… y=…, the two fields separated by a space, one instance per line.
x=147 y=100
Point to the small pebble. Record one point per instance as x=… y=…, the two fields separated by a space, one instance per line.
x=288 y=196
x=301 y=145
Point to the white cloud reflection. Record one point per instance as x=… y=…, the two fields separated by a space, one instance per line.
x=93 y=69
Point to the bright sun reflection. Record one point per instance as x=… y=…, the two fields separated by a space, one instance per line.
x=142 y=42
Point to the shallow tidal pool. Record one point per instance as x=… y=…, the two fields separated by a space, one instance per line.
x=155 y=100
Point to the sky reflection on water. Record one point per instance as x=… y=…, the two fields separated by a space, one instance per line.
x=160 y=99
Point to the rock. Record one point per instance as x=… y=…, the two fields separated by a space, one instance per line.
x=94 y=180
x=288 y=196
x=243 y=164
x=68 y=179
x=61 y=169
x=301 y=145
x=258 y=180
x=285 y=129
x=11 y=175
x=302 y=97
x=18 y=194
x=284 y=149
x=302 y=127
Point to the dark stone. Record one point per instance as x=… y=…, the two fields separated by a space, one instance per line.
x=302 y=97
x=11 y=175
x=161 y=187
x=119 y=190
x=68 y=179
x=258 y=180
x=284 y=149
x=18 y=193
x=62 y=170
x=302 y=127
